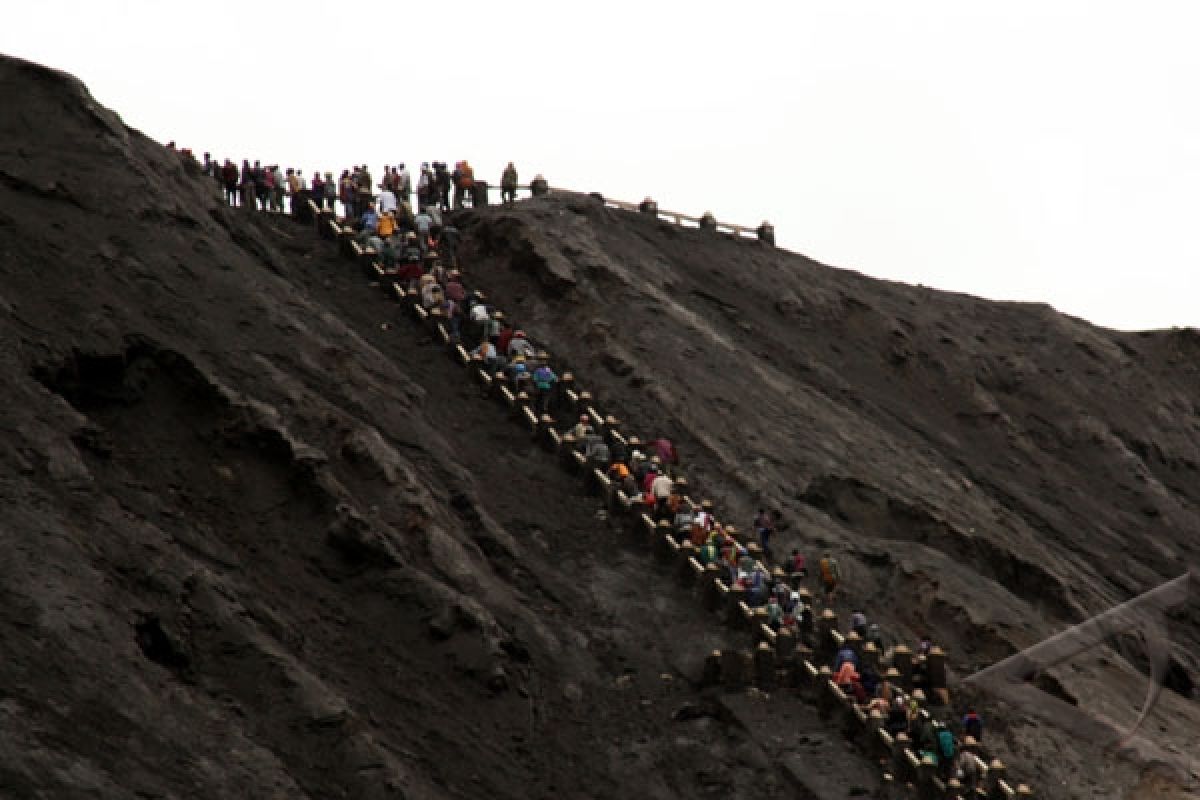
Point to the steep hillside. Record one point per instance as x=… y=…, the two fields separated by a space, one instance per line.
x=265 y=541
x=993 y=472
x=262 y=543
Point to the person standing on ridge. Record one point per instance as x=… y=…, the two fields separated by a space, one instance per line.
x=229 y=175
x=247 y=180
x=456 y=180
x=331 y=191
x=441 y=188
x=508 y=185
x=403 y=184
x=425 y=189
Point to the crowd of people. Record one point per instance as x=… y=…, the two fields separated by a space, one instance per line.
x=266 y=187
x=418 y=251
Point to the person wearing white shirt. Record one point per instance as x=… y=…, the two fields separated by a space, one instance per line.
x=387 y=201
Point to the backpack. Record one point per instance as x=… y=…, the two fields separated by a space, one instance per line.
x=946 y=743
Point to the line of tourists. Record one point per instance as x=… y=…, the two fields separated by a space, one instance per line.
x=419 y=252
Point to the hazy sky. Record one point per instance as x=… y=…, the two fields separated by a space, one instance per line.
x=1043 y=151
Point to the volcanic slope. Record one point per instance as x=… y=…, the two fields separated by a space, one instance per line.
x=263 y=540
x=989 y=473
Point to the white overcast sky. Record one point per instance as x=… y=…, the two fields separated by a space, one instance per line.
x=1041 y=151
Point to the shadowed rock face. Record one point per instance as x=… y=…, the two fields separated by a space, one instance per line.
x=261 y=545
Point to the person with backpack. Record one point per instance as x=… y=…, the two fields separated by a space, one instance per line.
x=543 y=384
x=831 y=576
x=508 y=185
